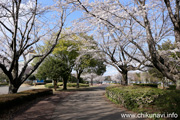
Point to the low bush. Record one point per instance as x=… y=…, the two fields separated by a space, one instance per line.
x=71 y=84
x=50 y=85
x=83 y=85
x=172 y=87
x=145 y=99
x=147 y=85
x=8 y=101
x=75 y=85
x=3 y=84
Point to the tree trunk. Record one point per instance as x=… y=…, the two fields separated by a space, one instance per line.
x=177 y=34
x=78 y=73
x=91 y=80
x=124 y=78
x=64 y=84
x=13 y=88
x=177 y=39
x=77 y=82
x=78 y=79
x=55 y=84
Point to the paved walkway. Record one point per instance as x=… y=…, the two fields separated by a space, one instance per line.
x=4 y=89
x=82 y=105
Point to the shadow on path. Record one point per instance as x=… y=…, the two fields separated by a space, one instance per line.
x=89 y=104
x=42 y=110
x=85 y=104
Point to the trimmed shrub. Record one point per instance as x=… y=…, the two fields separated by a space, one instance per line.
x=83 y=85
x=72 y=84
x=8 y=101
x=3 y=84
x=147 y=85
x=50 y=85
x=172 y=87
x=75 y=85
x=145 y=99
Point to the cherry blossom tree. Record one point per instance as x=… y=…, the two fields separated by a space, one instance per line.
x=117 y=77
x=90 y=77
x=121 y=54
x=99 y=79
x=23 y=27
x=173 y=8
x=153 y=22
x=116 y=42
x=154 y=25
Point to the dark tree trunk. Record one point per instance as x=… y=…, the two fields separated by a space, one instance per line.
x=78 y=78
x=65 y=84
x=124 y=78
x=177 y=34
x=77 y=83
x=91 y=80
x=13 y=88
x=55 y=85
x=78 y=73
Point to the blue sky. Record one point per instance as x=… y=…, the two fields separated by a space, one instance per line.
x=110 y=71
x=70 y=18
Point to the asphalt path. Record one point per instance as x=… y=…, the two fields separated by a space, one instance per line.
x=88 y=104
x=4 y=89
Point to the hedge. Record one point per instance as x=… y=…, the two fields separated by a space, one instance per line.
x=9 y=101
x=148 y=85
x=49 y=85
x=3 y=84
x=145 y=99
x=172 y=87
x=75 y=85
